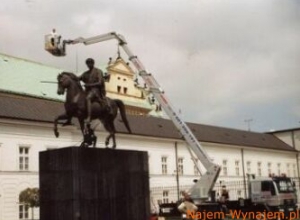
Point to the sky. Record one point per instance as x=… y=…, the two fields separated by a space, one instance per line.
x=228 y=63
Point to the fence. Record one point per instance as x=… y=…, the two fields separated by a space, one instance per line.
x=237 y=189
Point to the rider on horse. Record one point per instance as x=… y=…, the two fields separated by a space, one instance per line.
x=95 y=86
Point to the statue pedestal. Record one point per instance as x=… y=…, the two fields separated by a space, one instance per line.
x=94 y=184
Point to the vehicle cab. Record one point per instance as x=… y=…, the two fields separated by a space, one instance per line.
x=277 y=193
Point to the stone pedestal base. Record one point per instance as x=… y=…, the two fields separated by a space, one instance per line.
x=94 y=184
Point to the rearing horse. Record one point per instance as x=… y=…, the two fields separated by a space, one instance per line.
x=75 y=106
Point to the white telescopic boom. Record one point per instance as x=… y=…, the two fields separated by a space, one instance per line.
x=207 y=181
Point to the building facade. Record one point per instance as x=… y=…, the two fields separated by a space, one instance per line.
x=289 y=136
x=26 y=128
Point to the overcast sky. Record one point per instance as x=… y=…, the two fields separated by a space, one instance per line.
x=220 y=62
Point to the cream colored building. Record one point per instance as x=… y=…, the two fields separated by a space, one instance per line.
x=121 y=86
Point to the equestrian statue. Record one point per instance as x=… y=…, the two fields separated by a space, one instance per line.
x=89 y=104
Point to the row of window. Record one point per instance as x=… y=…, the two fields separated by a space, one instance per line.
x=119 y=89
x=164 y=165
x=259 y=168
x=291 y=169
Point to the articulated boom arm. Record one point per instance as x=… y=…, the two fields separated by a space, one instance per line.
x=98 y=39
x=207 y=181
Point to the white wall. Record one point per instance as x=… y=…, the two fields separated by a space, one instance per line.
x=291 y=137
x=39 y=136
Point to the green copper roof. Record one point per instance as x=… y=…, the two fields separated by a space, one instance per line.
x=25 y=77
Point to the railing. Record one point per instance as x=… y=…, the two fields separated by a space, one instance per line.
x=236 y=188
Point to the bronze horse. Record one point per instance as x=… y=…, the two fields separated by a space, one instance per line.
x=75 y=106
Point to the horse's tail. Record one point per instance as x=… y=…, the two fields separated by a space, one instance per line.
x=121 y=107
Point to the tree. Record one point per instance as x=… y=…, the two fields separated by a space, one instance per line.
x=30 y=197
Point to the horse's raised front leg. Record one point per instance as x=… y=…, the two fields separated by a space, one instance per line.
x=57 y=119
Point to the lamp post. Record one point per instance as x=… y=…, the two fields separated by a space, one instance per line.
x=177 y=174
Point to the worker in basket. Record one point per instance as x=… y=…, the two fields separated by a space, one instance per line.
x=57 y=46
x=55 y=38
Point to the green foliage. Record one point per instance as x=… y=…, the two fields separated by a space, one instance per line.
x=30 y=197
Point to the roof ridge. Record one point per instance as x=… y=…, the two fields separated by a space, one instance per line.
x=29 y=95
x=28 y=60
